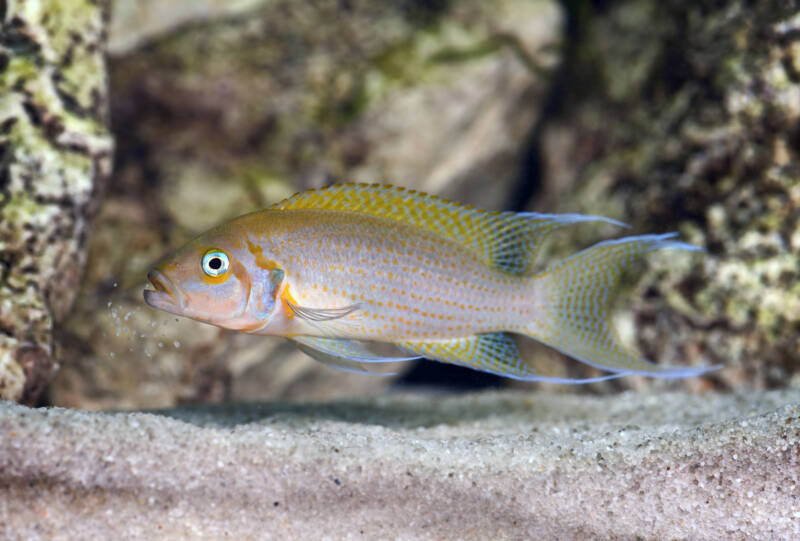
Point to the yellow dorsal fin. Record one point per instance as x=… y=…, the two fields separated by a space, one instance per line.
x=505 y=240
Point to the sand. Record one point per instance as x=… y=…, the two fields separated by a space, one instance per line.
x=420 y=466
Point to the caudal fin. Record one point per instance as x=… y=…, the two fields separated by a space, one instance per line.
x=576 y=294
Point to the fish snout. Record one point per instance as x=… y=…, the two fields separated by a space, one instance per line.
x=165 y=296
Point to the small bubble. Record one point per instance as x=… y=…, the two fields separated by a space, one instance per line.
x=161 y=344
x=128 y=315
x=115 y=284
x=109 y=304
x=176 y=344
x=153 y=324
x=112 y=354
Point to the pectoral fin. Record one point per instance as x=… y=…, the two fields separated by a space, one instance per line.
x=316 y=315
x=347 y=355
x=495 y=353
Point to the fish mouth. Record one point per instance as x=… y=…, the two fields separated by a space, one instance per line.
x=165 y=296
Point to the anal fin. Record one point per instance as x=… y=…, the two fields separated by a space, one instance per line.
x=496 y=353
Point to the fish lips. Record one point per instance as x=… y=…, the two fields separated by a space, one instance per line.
x=165 y=296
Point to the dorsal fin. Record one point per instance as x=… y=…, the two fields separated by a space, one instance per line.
x=504 y=240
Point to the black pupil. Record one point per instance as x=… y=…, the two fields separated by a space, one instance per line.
x=215 y=263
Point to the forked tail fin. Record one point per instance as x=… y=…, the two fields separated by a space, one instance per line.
x=575 y=295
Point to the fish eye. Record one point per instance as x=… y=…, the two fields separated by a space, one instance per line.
x=215 y=263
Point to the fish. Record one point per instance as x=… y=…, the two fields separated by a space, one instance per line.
x=355 y=274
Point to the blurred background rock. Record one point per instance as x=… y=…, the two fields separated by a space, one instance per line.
x=669 y=116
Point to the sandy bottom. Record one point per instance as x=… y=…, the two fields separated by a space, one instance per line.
x=481 y=466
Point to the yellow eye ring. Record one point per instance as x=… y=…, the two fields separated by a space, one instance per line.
x=216 y=263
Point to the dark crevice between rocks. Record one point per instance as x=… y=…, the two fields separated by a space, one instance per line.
x=529 y=183
x=131 y=148
x=422 y=12
x=5 y=167
x=14 y=36
x=567 y=78
x=39 y=368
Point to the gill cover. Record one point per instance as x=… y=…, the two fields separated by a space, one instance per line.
x=264 y=294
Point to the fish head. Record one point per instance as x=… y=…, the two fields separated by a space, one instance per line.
x=216 y=279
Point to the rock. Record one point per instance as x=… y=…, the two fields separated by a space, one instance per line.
x=56 y=156
x=224 y=108
x=486 y=466
x=134 y=23
x=690 y=125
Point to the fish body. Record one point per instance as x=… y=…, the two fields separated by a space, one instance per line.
x=342 y=269
x=408 y=284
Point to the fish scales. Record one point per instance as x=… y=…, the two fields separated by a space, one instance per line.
x=346 y=270
x=409 y=283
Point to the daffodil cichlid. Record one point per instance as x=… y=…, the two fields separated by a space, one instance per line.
x=343 y=269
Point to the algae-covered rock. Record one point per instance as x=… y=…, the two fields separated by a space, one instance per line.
x=55 y=153
x=691 y=125
x=487 y=466
x=231 y=107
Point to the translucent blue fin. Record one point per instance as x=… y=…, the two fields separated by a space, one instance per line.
x=576 y=295
x=518 y=236
x=495 y=353
x=343 y=354
x=504 y=240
